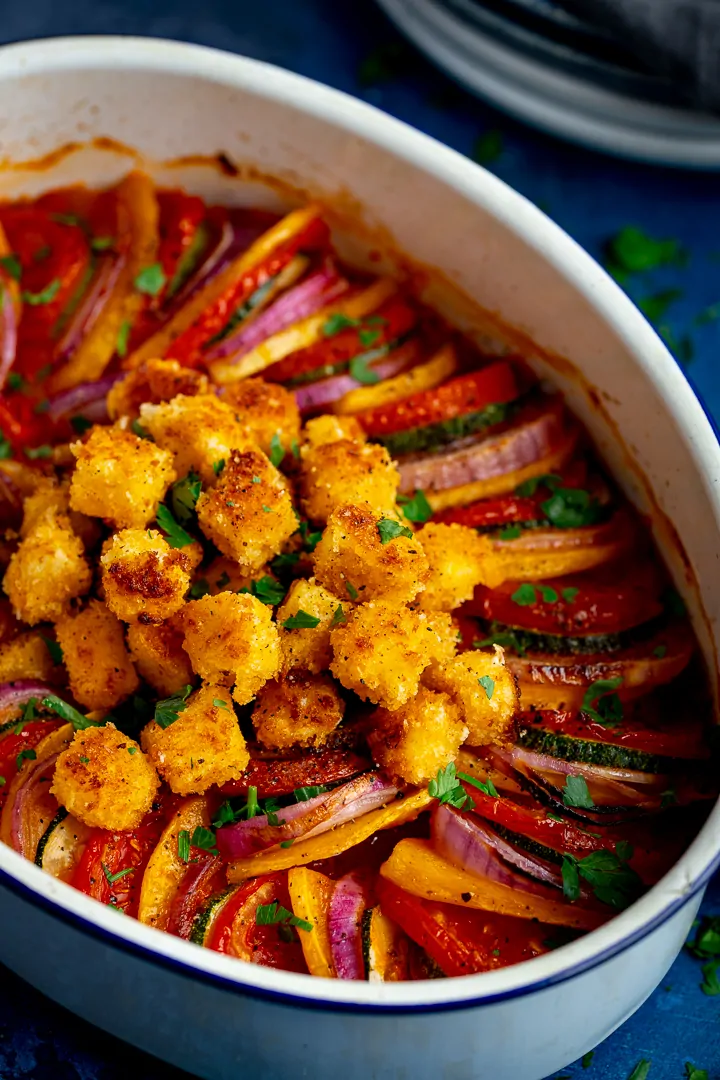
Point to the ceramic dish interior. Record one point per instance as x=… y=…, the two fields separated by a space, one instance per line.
x=486 y=242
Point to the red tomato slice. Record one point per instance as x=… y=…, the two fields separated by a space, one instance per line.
x=12 y=744
x=180 y=216
x=506 y=509
x=188 y=347
x=399 y=318
x=463 y=942
x=602 y=601
x=236 y=932
x=491 y=385
x=283 y=775
x=109 y=853
x=666 y=738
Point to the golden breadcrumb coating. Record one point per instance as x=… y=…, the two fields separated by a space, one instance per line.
x=265 y=410
x=488 y=707
x=455 y=554
x=104 y=779
x=352 y=561
x=297 y=710
x=100 y=671
x=308 y=648
x=119 y=477
x=348 y=472
x=203 y=747
x=143 y=577
x=48 y=569
x=249 y=514
x=328 y=429
x=154 y=381
x=200 y=431
x=230 y=639
x=383 y=649
x=413 y=742
x=27 y=657
x=159 y=656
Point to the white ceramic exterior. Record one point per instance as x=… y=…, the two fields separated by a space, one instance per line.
x=219 y=1017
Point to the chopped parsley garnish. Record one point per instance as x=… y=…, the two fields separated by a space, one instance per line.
x=204 y=839
x=223 y=580
x=673 y=603
x=121 y=344
x=56 y=653
x=368 y=337
x=141 y=432
x=11 y=265
x=24 y=755
x=68 y=713
x=337 y=322
x=508 y=639
x=199 y=588
x=302 y=794
x=5 y=448
x=226 y=815
x=68 y=219
x=569 y=594
x=285 y=561
x=488 y=685
x=3 y=781
x=267 y=509
x=667 y=798
x=310 y=539
x=488 y=147
x=220 y=704
x=447 y=789
x=415 y=507
x=339 y=616
x=42 y=253
x=218 y=466
x=35 y=452
x=351 y=590
x=277 y=451
x=359 y=366
x=81 y=424
x=183 y=845
x=575 y=793
x=150 y=280
x=112 y=878
x=102 y=243
x=15 y=382
x=295 y=449
x=528 y=487
x=641 y=1070
x=659 y=651
x=267 y=590
x=168 y=710
x=28 y=714
x=527 y=594
x=486 y=786
x=286 y=843
x=601 y=704
x=301 y=621
x=390 y=530
x=608 y=874
x=184 y=495
x=44 y=296
x=274 y=913
x=510 y=532
x=175 y=534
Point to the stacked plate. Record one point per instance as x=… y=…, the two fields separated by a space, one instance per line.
x=538 y=61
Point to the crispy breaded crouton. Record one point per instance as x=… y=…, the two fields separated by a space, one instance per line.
x=154 y=381
x=47 y=570
x=383 y=649
x=249 y=514
x=200 y=431
x=104 y=779
x=100 y=671
x=230 y=639
x=27 y=657
x=143 y=577
x=455 y=554
x=307 y=648
x=483 y=689
x=348 y=472
x=328 y=429
x=297 y=710
x=119 y=477
x=159 y=656
x=416 y=740
x=265 y=410
x=352 y=560
x=204 y=746
x=51 y=497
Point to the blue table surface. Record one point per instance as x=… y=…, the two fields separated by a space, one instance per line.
x=349 y=44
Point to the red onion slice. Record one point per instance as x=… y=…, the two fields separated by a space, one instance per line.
x=347 y=904
x=13 y=695
x=234 y=239
x=316 y=395
x=32 y=774
x=8 y=332
x=543 y=762
x=487 y=456
x=194 y=889
x=89 y=397
x=91 y=307
x=361 y=795
x=304 y=299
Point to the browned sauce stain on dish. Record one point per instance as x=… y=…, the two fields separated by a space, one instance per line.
x=347 y=213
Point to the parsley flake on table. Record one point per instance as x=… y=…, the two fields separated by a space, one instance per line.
x=488 y=147
x=654 y=307
x=301 y=620
x=692 y=1073
x=175 y=535
x=601 y=704
x=641 y=1070
x=633 y=251
x=586 y=1060
x=276 y=914
x=44 y=296
x=390 y=530
x=415 y=507
x=576 y=793
x=448 y=790
x=168 y=710
x=150 y=280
